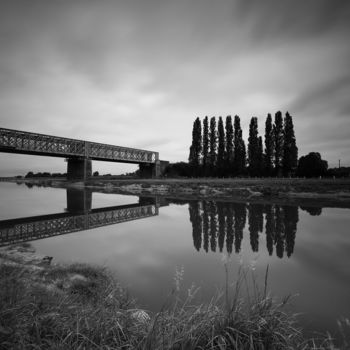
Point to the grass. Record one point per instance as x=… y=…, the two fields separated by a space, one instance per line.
x=83 y=307
x=62 y=308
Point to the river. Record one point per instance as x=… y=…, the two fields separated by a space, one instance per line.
x=146 y=241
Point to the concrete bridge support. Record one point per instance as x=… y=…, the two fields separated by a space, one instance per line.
x=78 y=201
x=78 y=169
x=149 y=171
x=153 y=170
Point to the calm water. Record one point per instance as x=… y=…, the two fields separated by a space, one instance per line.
x=144 y=241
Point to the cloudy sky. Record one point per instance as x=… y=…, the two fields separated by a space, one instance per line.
x=138 y=72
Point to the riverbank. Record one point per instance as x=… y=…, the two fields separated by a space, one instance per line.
x=49 y=306
x=324 y=192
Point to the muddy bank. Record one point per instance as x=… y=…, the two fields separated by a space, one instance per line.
x=42 y=271
x=315 y=191
x=328 y=192
x=52 y=306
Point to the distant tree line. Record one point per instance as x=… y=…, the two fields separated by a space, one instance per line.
x=219 y=150
x=312 y=165
x=339 y=172
x=30 y=174
x=179 y=169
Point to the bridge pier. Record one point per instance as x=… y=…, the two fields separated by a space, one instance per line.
x=79 y=169
x=149 y=170
x=79 y=201
x=154 y=170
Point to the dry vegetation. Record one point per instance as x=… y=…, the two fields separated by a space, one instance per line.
x=83 y=307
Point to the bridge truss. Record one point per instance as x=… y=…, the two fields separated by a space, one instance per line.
x=15 y=141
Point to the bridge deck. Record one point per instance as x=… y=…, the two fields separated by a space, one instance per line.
x=15 y=141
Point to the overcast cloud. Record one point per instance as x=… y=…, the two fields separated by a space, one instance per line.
x=138 y=72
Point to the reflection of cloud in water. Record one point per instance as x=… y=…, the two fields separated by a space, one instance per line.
x=323 y=259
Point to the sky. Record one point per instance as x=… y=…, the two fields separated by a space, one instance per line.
x=137 y=73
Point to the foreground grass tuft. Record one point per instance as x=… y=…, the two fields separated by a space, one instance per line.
x=83 y=307
x=76 y=307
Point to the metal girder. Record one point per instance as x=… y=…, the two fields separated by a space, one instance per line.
x=109 y=152
x=26 y=141
x=28 y=231
x=16 y=141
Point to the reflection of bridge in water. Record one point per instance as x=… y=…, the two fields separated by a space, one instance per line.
x=78 y=217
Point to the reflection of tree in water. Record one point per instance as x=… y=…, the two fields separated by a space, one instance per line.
x=230 y=230
x=212 y=225
x=280 y=228
x=240 y=219
x=269 y=227
x=279 y=231
x=291 y=217
x=196 y=220
x=256 y=223
x=220 y=223
x=205 y=226
x=314 y=211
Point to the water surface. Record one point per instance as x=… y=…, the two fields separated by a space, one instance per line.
x=144 y=241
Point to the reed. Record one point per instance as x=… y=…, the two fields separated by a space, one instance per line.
x=84 y=307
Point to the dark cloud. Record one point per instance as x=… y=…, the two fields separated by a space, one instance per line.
x=106 y=70
x=332 y=95
x=294 y=20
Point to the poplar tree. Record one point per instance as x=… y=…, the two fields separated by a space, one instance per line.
x=243 y=162
x=220 y=163
x=212 y=146
x=196 y=147
x=269 y=146
x=260 y=157
x=205 y=150
x=290 y=149
x=239 y=150
x=236 y=145
x=278 y=143
x=191 y=155
x=229 y=146
x=253 y=147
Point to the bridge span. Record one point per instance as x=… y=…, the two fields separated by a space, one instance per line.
x=79 y=153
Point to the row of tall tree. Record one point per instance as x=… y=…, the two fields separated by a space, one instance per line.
x=218 y=148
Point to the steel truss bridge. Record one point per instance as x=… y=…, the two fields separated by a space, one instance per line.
x=78 y=152
x=39 y=227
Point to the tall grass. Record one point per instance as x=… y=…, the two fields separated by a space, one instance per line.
x=224 y=323
x=83 y=307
